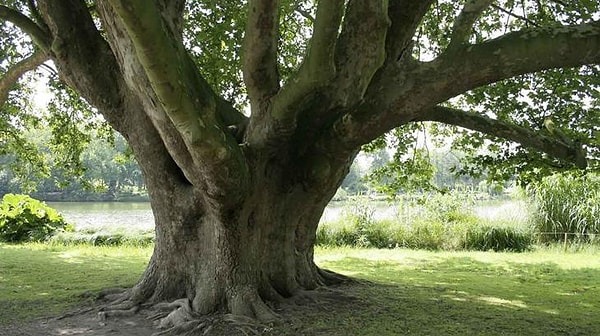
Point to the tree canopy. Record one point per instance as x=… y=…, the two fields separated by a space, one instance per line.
x=213 y=31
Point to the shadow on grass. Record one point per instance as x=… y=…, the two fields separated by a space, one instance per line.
x=43 y=281
x=434 y=295
x=463 y=296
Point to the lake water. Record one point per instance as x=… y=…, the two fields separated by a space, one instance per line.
x=133 y=215
x=138 y=215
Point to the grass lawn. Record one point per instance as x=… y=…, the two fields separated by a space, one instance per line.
x=408 y=292
x=40 y=280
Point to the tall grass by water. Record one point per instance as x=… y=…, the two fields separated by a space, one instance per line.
x=432 y=222
x=567 y=206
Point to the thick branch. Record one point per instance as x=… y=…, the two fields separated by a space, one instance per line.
x=83 y=58
x=526 y=137
x=361 y=48
x=260 y=50
x=318 y=67
x=185 y=96
x=37 y=34
x=463 y=26
x=405 y=16
x=399 y=94
x=319 y=64
x=518 y=53
x=16 y=71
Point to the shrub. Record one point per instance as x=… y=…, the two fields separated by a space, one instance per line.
x=103 y=238
x=451 y=207
x=565 y=203
x=23 y=218
x=485 y=238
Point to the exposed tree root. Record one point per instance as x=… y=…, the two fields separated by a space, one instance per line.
x=114 y=295
x=249 y=313
x=121 y=310
x=332 y=278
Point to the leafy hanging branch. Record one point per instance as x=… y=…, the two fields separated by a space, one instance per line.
x=557 y=147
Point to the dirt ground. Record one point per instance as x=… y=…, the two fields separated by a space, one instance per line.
x=83 y=324
x=296 y=319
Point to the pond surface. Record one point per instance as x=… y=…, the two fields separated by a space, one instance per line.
x=131 y=215
x=138 y=215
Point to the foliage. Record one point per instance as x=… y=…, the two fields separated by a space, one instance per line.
x=103 y=238
x=23 y=218
x=434 y=222
x=566 y=203
x=498 y=239
x=106 y=164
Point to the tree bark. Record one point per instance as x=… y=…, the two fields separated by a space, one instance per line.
x=234 y=260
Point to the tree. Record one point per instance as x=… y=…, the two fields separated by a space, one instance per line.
x=237 y=198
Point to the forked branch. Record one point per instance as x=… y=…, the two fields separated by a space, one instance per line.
x=555 y=147
x=318 y=67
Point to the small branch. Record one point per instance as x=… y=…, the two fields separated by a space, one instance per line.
x=463 y=26
x=526 y=137
x=37 y=34
x=260 y=50
x=562 y=3
x=305 y=14
x=520 y=17
x=16 y=71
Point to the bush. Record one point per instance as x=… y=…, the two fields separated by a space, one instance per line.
x=485 y=238
x=565 y=203
x=23 y=218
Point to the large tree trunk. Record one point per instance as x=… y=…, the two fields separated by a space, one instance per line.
x=235 y=224
x=233 y=260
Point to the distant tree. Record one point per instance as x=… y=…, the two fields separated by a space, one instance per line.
x=353 y=182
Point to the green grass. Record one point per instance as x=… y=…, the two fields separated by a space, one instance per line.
x=42 y=280
x=409 y=292
x=470 y=293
